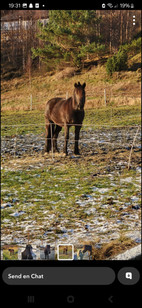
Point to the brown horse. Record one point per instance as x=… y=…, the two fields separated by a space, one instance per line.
x=47 y=251
x=60 y=113
x=27 y=253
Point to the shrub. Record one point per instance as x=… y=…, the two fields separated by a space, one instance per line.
x=117 y=63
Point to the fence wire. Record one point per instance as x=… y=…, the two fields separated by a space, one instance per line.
x=116 y=136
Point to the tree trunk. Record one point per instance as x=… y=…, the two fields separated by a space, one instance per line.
x=110 y=32
x=121 y=27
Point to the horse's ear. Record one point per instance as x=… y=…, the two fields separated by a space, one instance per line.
x=84 y=85
x=75 y=85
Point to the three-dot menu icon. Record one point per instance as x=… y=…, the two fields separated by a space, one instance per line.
x=134 y=20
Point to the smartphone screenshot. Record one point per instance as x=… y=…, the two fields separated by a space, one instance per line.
x=70 y=154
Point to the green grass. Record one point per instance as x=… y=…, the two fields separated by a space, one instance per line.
x=58 y=189
x=26 y=122
x=114 y=116
x=22 y=122
x=53 y=182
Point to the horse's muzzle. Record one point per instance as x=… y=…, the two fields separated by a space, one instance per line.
x=80 y=106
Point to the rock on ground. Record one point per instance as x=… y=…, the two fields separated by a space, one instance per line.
x=131 y=254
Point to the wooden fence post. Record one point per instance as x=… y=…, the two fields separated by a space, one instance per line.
x=67 y=95
x=105 y=96
x=31 y=103
x=132 y=147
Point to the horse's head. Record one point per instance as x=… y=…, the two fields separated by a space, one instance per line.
x=79 y=96
x=29 y=247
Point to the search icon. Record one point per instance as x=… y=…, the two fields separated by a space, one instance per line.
x=128 y=275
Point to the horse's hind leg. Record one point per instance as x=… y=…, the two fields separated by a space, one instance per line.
x=55 y=136
x=66 y=127
x=52 y=126
x=47 y=137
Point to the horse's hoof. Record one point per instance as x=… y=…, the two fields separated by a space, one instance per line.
x=56 y=153
x=77 y=153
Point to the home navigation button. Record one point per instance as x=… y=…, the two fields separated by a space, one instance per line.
x=70 y=299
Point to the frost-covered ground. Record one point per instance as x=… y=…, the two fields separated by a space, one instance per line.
x=91 y=198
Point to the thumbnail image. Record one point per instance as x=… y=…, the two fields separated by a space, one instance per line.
x=65 y=252
x=47 y=252
x=10 y=252
x=27 y=253
x=83 y=252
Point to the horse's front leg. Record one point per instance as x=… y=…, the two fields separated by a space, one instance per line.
x=47 y=137
x=66 y=127
x=77 y=131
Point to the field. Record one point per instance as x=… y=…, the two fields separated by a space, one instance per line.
x=93 y=198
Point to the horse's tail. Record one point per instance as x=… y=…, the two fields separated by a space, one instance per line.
x=51 y=129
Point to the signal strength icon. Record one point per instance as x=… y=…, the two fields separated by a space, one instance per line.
x=110 y=5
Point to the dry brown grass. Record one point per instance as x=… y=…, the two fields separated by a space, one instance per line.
x=111 y=249
x=123 y=88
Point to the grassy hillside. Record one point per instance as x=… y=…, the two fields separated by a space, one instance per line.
x=123 y=88
x=121 y=106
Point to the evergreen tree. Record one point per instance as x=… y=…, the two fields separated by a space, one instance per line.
x=70 y=36
x=118 y=62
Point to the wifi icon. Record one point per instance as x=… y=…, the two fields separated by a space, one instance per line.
x=110 y=5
